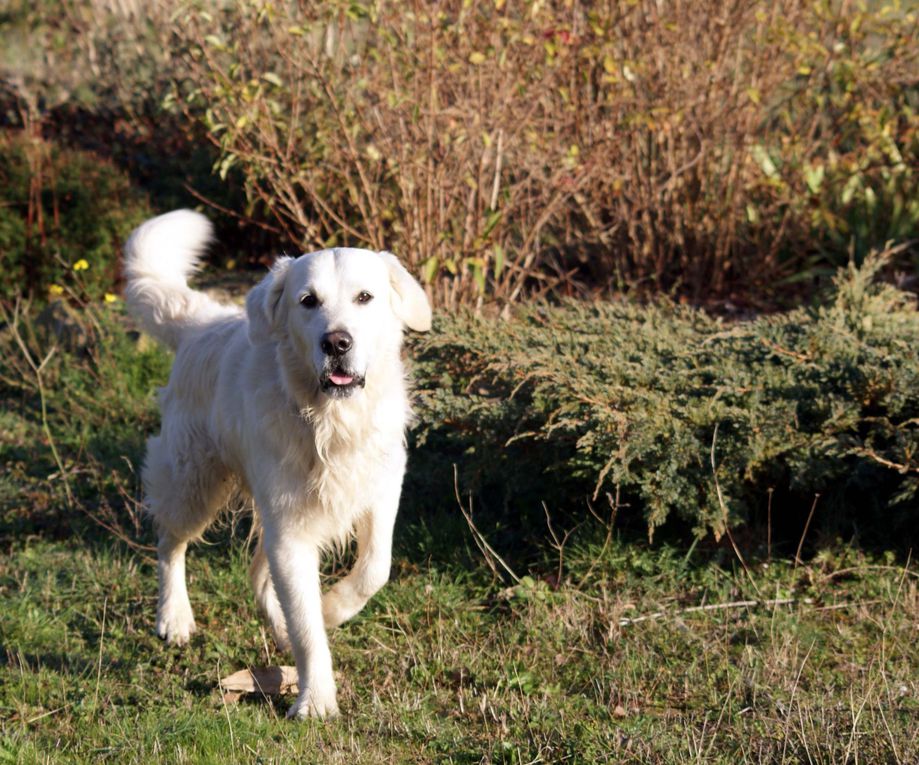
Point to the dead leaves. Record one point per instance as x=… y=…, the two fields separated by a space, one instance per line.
x=268 y=681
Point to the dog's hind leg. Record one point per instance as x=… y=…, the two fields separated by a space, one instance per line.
x=267 y=598
x=183 y=500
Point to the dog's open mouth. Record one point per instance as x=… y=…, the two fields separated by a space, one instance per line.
x=338 y=382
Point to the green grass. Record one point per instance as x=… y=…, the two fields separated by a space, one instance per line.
x=449 y=663
x=446 y=666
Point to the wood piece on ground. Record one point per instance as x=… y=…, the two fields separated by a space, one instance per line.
x=270 y=681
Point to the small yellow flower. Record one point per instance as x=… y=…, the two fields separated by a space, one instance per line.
x=81 y=265
x=110 y=298
x=55 y=289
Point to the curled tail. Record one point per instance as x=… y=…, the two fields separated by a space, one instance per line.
x=160 y=255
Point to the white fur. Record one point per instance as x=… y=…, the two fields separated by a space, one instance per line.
x=245 y=407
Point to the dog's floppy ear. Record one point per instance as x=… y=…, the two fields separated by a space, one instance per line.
x=409 y=302
x=262 y=302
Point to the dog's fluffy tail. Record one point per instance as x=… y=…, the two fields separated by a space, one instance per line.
x=160 y=255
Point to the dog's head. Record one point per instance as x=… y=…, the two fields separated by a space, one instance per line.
x=340 y=310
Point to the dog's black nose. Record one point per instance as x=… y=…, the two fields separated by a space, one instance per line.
x=336 y=343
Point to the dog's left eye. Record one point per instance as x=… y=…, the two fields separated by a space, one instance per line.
x=309 y=301
x=363 y=297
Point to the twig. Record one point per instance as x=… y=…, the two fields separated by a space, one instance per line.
x=807 y=525
x=904 y=469
x=784 y=351
x=614 y=505
x=47 y=714
x=558 y=545
x=724 y=513
x=99 y=663
x=118 y=533
x=841 y=606
x=769 y=527
x=486 y=549
x=227 y=211
x=13 y=325
x=870 y=567
x=499 y=157
x=626 y=621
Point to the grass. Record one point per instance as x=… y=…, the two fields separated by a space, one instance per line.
x=591 y=655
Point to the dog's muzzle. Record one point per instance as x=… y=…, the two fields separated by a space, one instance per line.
x=337 y=380
x=339 y=383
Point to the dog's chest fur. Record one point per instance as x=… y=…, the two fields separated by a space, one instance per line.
x=340 y=456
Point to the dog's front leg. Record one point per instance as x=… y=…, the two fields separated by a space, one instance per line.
x=374 y=554
x=174 y=620
x=293 y=559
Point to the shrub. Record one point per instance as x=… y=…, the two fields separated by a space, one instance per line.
x=61 y=210
x=504 y=147
x=91 y=76
x=683 y=415
x=93 y=54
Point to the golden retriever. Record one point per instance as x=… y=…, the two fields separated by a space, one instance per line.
x=300 y=400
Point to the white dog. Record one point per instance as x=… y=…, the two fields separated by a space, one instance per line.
x=301 y=401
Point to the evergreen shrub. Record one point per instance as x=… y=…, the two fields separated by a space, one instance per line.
x=682 y=415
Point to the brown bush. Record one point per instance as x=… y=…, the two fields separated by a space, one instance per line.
x=504 y=147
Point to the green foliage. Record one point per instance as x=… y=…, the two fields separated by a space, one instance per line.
x=73 y=435
x=64 y=216
x=684 y=414
x=840 y=153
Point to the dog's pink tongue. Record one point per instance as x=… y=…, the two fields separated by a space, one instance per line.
x=339 y=379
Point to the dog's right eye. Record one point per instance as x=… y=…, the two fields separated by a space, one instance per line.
x=309 y=301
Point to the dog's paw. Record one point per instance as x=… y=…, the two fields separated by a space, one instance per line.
x=281 y=639
x=334 y=610
x=175 y=625
x=278 y=627
x=319 y=703
x=341 y=603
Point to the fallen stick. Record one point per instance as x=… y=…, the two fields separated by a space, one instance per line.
x=625 y=621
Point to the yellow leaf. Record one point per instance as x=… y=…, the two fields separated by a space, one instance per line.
x=477 y=58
